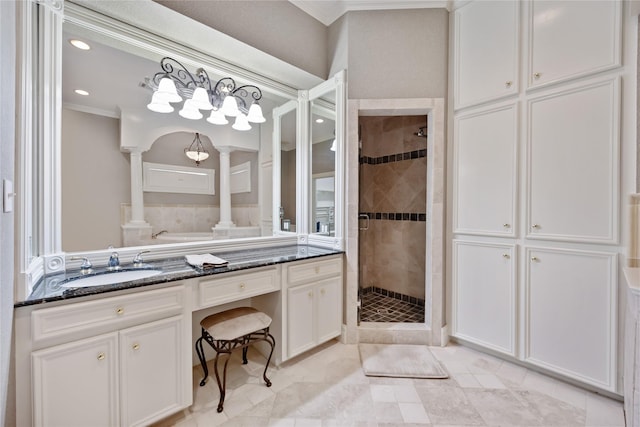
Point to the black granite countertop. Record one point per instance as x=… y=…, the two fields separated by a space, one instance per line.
x=49 y=288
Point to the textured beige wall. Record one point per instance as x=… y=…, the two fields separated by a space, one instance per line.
x=95 y=181
x=392 y=253
x=398 y=53
x=275 y=27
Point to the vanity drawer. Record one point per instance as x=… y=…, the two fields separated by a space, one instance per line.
x=114 y=311
x=226 y=289
x=309 y=271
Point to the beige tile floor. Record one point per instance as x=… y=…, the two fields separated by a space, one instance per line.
x=326 y=387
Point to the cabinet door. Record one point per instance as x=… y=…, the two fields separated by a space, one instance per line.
x=152 y=371
x=570 y=317
x=484 y=294
x=486 y=59
x=328 y=316
x=570 y=39
x=573 y=164
x=76 y=384
x=300 y=319
x=485 y=172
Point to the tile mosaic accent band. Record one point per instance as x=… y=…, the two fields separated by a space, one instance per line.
x=392 y=294
x=396 y=216
x=398 y=157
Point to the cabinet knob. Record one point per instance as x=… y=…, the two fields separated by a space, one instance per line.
x=505 y=225
x=310 y=294
x=101 y=356
x=120 y=310
x=537 y=75
x=535 y=226
x=534 y=259
x=322 y=291
x=136 y=346
x=317 y=270
x=242 y=286
x=505 y=256
x=508 y=84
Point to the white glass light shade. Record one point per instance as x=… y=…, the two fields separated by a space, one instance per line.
x=159 y=106
x=189 y=111
x=230 y=106
x=167 y=91
x=333 y=146
x=197 y=156
x=241 y=123
x=255 y=114
x=217 y=118
x=200 y=99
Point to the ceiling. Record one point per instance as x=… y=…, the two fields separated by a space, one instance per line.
x=327 y=11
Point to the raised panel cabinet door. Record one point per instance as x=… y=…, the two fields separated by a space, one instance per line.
x=486 y=52
x=328 y=309
x=484 y=294
x=485 y=163
x=573 y=164
x=570 y=313
x=152 y=371
x=570 y=39
x=76 y=384
x=300 y=315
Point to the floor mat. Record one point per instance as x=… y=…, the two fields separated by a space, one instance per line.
x=400 y=360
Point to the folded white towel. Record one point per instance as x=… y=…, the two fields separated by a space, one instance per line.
x=205 y=261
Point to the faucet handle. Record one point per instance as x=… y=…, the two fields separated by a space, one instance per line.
x=86 y=264
x=137 y=261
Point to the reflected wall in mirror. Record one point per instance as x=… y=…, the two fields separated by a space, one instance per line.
x=109 y=133
x=288 y=181
x=323 y=166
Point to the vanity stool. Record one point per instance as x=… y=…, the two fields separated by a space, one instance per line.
x=230 y=330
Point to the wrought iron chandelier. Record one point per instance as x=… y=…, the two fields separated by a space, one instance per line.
x=175 y=83
x=196 y=150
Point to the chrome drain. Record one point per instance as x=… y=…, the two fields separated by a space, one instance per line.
x=383 y=311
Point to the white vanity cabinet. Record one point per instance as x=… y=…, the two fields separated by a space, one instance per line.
x=485 y=164
x=570 y=314
x=127 y=371
x=484 y=294
x=314 y=303
x=486 y=54
x=76 y=384
x=572 y=39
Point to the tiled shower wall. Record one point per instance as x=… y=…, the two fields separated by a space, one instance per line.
x=393 y=191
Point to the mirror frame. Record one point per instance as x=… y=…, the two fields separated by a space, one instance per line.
x=40 y=41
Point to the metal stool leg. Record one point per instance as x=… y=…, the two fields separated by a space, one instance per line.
x=222 y=384
x=244 y=355
x=203 y=361
x=272 y=342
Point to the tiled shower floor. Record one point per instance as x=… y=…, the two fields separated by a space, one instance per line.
x=380 y=308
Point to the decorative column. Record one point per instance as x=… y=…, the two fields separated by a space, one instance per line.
x=225 y=188
x=137 y=229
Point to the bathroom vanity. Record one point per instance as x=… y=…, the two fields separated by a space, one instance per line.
x=121 y=354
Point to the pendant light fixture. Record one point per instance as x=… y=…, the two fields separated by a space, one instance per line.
x=196 y=151
x=175 y=83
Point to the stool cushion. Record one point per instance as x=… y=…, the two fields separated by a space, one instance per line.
x=235 y=323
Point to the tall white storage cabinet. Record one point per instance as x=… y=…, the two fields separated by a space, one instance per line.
x=535 y=233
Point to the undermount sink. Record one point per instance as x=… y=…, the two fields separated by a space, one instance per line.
x=109 y=278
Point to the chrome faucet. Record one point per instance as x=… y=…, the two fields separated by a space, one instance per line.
x=138 y=261
x=86 y=265
x=153 y=236
x=114 y=261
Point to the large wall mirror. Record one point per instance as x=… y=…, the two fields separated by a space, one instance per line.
x=104 y=170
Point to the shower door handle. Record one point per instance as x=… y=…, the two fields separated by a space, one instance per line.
x=364 y=216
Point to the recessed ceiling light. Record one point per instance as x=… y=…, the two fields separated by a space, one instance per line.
x=80 y=44
x=81 y=92
x=319 y=120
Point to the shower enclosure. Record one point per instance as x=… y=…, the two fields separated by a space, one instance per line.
x=392 y=218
